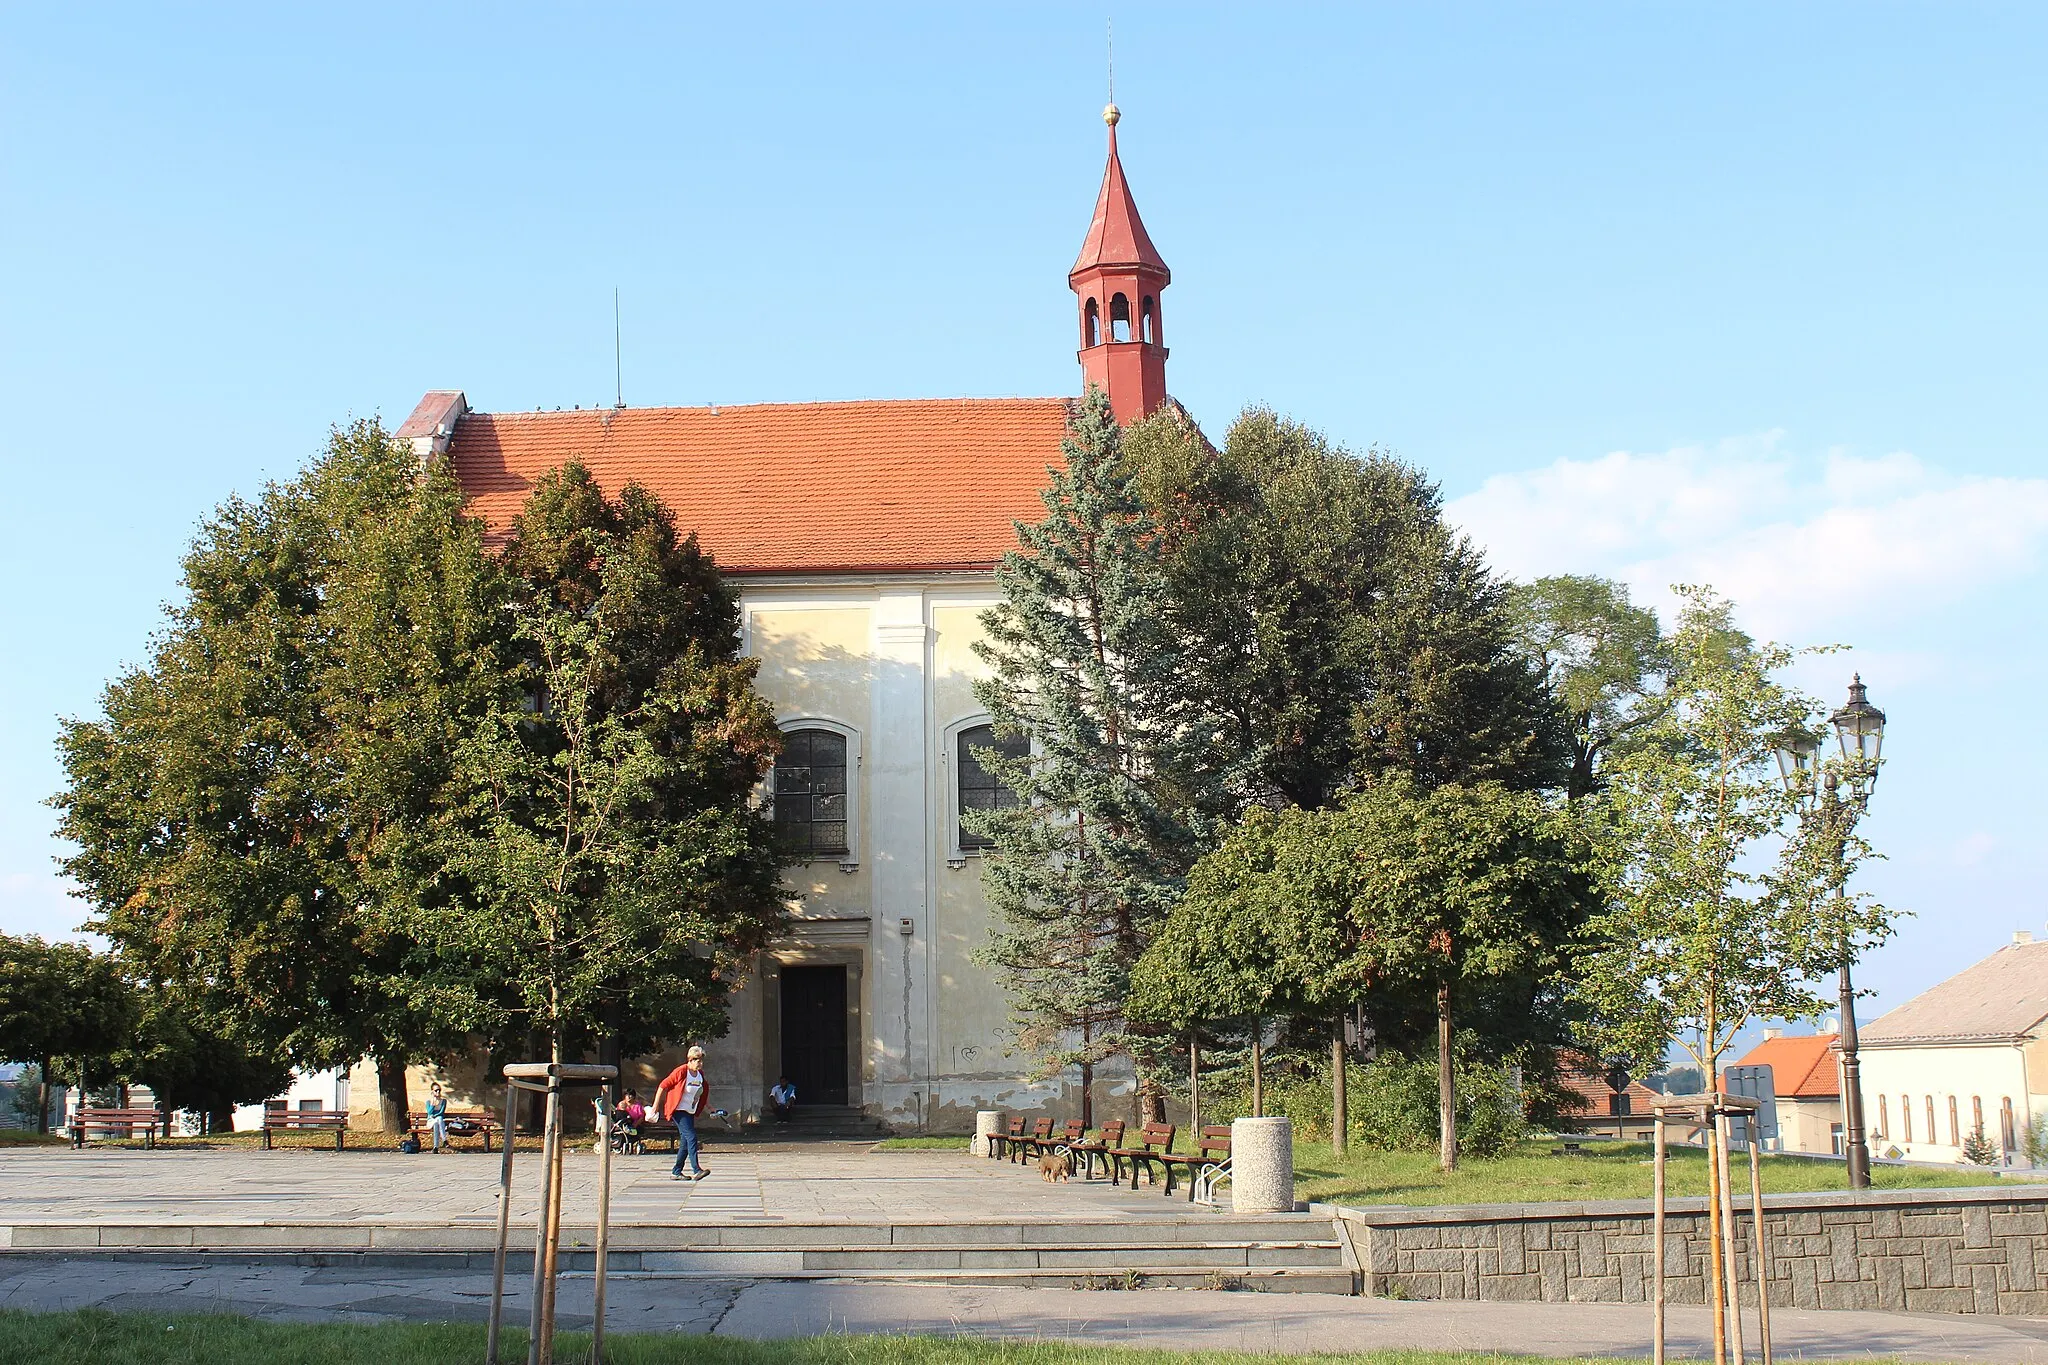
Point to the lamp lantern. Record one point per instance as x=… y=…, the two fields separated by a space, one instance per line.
x=1859 y=729
x=1796 y=754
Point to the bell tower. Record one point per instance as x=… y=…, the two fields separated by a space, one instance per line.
x=1117 y=282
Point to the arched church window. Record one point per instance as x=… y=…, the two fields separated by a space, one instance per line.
x=980 y=789
x=810 y=793
x=1146 y=311
x=1091 y=325
x=1119 y=318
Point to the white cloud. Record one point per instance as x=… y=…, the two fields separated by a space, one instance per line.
x=1806 y=547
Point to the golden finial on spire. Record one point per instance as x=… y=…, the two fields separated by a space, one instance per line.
x=1110 y=114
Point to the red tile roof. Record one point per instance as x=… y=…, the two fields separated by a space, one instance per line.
x=1801 y=1068
x=909 y=485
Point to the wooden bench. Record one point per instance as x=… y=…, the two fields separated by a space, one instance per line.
x=333 y=1121
x=1112 y=1135
x=653 y=1130
x=1212 y=1152
x=119 y=1123
x=1023 y=1148
x=1154 y=1141
x=1000 y=1143
x=461 y=1123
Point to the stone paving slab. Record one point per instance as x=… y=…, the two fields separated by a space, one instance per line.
x=1168 y=1319
x=758 y=1183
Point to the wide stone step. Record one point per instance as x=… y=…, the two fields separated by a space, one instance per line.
x=1117 y=1253
x=348 y=1236
x=1263 y=1279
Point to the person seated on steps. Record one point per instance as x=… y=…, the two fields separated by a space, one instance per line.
x=781 y=1098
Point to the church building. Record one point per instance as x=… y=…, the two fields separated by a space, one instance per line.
x=864 y=622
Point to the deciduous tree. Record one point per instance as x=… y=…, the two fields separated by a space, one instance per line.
x=233 y=806
x=1719 y=909
x=64 y=1008
x=610 y=873
x=1604 y=658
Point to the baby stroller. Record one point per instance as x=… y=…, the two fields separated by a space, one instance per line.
x=627 y=1139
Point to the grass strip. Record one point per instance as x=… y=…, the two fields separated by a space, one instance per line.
x=95 y=1337
x=1536 y=1172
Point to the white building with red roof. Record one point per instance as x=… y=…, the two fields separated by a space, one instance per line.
x=1971 y=1052
x=1806 y=1080
x=864 y=538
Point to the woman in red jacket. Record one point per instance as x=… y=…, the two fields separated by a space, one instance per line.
x=684 y=1094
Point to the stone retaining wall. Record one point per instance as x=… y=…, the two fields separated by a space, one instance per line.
x=1940 y=1251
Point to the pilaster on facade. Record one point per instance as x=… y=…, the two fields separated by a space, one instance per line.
x=899 y=792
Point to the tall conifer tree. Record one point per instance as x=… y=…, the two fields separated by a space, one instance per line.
x=1087 y=864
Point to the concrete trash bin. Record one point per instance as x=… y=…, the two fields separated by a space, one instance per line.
x=987 y=1123
x=1262 y=1165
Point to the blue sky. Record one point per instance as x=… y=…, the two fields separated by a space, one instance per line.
x=1748 y=295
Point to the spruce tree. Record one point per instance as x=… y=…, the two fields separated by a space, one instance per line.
x=1089 y=861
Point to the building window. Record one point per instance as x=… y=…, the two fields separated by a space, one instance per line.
x=979 y=789
x=1835 y=1138
x=276 y=1106
x=2007 y=1135
x=1905 y=1118
x=1884 y=1122
x=1617 y=1105
x=810 y=793
x=311 y=1106
x=1932 y=1131
x=1955 y=1130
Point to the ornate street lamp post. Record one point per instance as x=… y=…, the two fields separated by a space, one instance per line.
x=1859 y=731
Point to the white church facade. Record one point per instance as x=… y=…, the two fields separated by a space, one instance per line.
x=863 y=538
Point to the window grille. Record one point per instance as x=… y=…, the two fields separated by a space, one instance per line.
x=979 y=789
x=810 y=793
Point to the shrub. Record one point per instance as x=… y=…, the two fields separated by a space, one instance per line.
x=1391 y=1100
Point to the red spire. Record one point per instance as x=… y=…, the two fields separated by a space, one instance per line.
x=1116 y=235
x=1117 y=284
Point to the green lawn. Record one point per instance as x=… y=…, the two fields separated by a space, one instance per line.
x=92 y=1337
x=922 y=1144
x=1604 y=1170
x=29 y=1137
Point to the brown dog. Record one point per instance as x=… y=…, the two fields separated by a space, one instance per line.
x=1052 y=1166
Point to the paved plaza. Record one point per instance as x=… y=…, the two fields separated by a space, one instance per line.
x=749 y=1183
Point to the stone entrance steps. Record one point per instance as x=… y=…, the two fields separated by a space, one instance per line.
x=1302 y=1253
x=815 y=1122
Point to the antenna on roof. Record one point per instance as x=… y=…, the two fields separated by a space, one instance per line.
x=618 y=354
